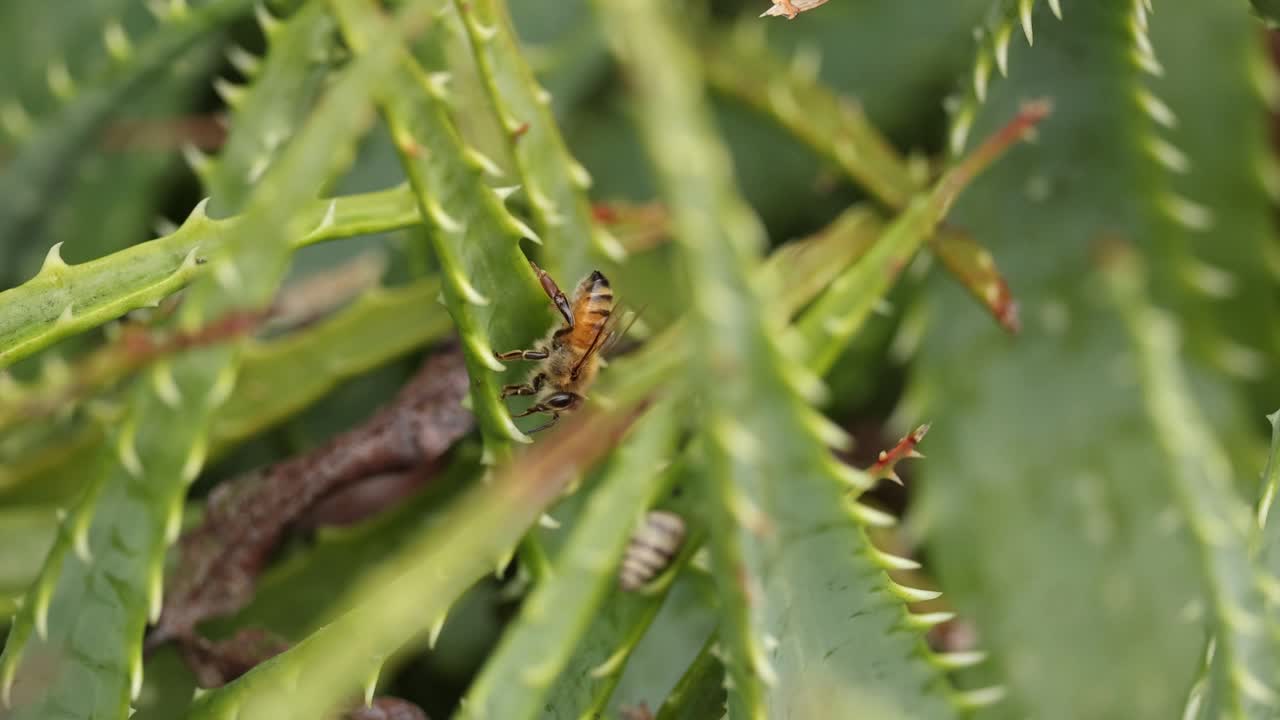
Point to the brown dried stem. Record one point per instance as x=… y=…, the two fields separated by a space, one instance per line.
x=245 y=518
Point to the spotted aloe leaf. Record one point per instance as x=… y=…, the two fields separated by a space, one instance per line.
x=131 y=508
x=1075 y=487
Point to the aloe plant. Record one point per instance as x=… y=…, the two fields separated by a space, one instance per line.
x=1085 y=328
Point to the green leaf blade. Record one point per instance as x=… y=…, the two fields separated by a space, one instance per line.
x=285 y=86
x=1045 y=466
x=537 y=647
x=130 y=510
x=32 y=176
x=553 y=181
x=776 y=502
x=64 y=300
x=473 y=234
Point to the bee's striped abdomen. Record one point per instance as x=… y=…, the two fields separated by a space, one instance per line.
x=592 y=306
x=651 y=548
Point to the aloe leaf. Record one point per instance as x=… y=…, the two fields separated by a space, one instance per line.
x=43 y=157
x=479 y=530
x=598 y=664
x=131 y=509
x=836 y=317
x=1247 y=650
x=63 y=300
x=1036 y=433
x=98 y=209
x=1221 y=182
x=39 y=36
x=805 y=269
x=473 y=234
x=27 y=534
x=602 y=658
x=1239 y=204
x=1005 y=19
x=740 y=64
x=285 y=84
x=789 y=645
x=700 y=694
x=552 y=180
x=671 y=641
x=556 y=614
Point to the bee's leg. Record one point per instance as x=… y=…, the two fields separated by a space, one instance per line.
x=535 y=354
x=517 y=389
x=555 y=418
x=553 y=291
x=535 y=408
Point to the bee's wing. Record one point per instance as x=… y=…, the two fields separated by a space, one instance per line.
x=615 y=337
x=606 y=337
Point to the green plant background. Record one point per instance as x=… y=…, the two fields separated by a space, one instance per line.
x=1090 y=506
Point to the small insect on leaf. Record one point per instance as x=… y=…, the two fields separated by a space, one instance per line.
x=570 y=356
x=651 y=549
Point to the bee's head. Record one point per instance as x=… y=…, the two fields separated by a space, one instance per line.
x=562 y=401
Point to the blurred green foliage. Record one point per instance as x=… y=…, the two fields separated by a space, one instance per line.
x=1086 y=501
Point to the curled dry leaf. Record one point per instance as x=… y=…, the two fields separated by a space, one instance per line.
x=216 y=663
x=975 y=267
x=354 y=503
x=885 y=465
x=791 y=8
x=220 y=560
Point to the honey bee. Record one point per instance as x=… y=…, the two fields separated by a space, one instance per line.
x=651 y=548
x=570 y=356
